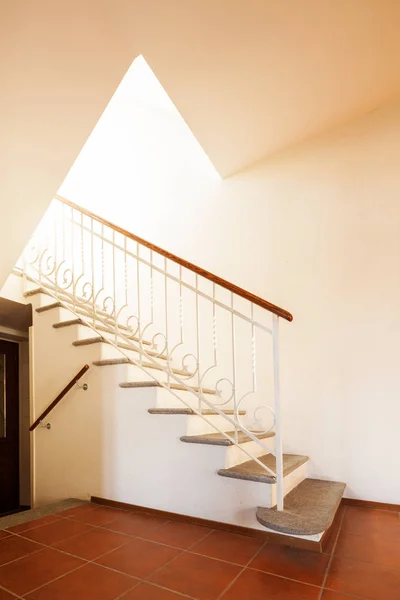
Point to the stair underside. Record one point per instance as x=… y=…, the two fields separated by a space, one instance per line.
x=252 y=471
x=189 y=411
x=218 y=439
x=309 y=509
x=172 y=386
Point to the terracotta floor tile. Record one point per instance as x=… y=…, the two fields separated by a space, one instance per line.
x=372 y=523
x=33 y=524
x=179 y=535
x=77 y=510
x=56 y=532
x=26 y=574
x=328 y=595
x=232 y=547
x=139 y=558
x=91 y=582
x=336 y=525
x=197 y=576
x=363 y=579
x=5 y=595
x=15 y=547
x=375 y=550
x=94 y=543
x=146 y=591
x=254 y=585
x=99 y=515
x=136 y=523
x=294 y=563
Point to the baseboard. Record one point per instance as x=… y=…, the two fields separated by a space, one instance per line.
x=275 y=538
x=369 y=504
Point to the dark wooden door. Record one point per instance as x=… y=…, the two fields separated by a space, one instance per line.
x=9 y=427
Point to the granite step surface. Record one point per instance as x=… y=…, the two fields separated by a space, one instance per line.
x=146 y=365
x=252 y=471
x=190 y=411
x=309 y=509
x=219 y=439
x=172 y=386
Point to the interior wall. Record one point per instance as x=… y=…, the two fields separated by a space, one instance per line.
x=316 y=230
x=62 y=63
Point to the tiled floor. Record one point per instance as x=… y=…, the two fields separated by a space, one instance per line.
x=96 y=553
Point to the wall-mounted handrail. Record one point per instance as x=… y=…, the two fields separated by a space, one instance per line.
x=280 y=312
x=59 y=397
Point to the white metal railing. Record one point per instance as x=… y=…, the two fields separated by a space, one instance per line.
x=199 y=334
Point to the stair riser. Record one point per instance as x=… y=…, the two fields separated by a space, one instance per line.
x=183 y=399
x=197 y=425
x=289 y=483
x=235 y=456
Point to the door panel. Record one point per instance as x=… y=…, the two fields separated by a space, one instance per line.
x=9 y=427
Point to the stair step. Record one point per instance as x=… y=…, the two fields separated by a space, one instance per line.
x=188 y=411
x=309 y=509
x=47 y=307
x=172 y=386
x=99 y=339
x=252 y=471
x=35 y=292
x=124 y=361
x=218 y=439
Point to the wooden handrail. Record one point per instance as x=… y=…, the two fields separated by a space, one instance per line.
x=281 y=312
x=59 y=397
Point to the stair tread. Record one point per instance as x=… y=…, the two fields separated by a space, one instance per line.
x=173 y=386
x=46 y=307
x=99 y=339
x=252 y=471
x=218 y=439
x=125 y=361
x=189 y=411
x=309 y=508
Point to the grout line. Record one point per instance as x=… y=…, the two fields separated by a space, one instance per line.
x=8 y=592
x=139 y=580
x=86 y=562
x=242 y=570
x=332 y=556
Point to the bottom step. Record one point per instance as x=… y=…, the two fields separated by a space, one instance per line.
x=309 y=509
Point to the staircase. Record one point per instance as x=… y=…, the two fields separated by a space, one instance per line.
x=199 y=354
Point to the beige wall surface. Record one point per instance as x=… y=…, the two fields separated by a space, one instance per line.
x=317 y=231
x=60 y=65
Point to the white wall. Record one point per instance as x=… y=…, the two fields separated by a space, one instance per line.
x=315 y=230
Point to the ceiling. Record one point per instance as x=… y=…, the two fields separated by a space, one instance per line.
x=254 y=77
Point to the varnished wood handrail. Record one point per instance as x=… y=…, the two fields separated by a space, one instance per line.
x=59 y=397
x=281 y=312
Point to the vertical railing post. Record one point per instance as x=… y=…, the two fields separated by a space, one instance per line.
x=235 y=407
x=278 y=421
